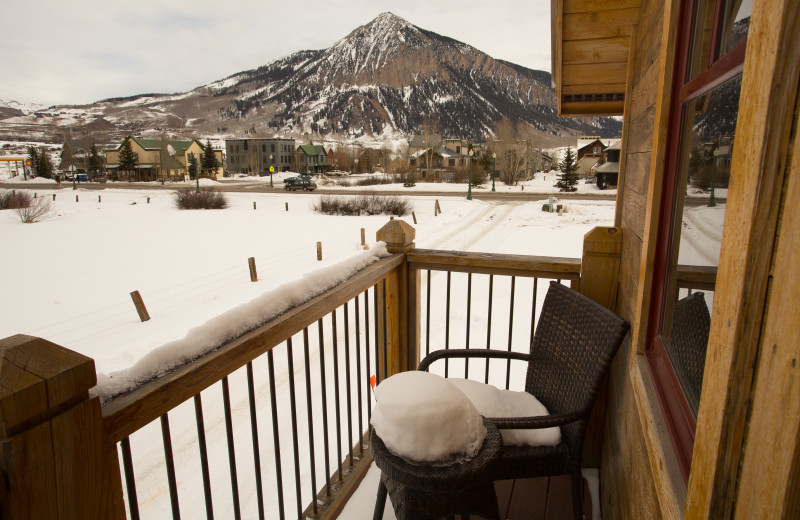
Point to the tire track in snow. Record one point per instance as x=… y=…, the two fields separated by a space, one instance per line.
x=470 y=230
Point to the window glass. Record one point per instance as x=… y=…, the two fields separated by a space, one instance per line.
x=734 y=24
x=703 y=179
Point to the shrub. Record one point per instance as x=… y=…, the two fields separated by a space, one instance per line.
x=362 y=205
x=35 y=211
x=14 y=200
x=373 y=181
x=206 y=198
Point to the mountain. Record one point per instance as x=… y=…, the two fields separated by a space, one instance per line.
x=385 y=77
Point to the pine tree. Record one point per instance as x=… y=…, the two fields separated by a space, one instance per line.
x=568 y=180
x=44 y=168
x=193 y=165
x=95 y=161
x=208 y=160
x=127 y=158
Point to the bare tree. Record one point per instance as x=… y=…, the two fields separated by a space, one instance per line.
x=430 y=139
x=513 y=153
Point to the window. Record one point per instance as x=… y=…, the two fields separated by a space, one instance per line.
x=704 y=109
x=451 y=162
x=272 y=147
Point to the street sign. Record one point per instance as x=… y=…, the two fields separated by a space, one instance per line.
x=272 y=169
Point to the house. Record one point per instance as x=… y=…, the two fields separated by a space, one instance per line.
x=257 y=155
x=311 y=158
x=723 y=441
x=158 y=159
x=607 y=172
x=590 y=148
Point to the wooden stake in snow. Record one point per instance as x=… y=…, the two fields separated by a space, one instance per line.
x=54 y=196
x=363 y=238
x=254 y=204
x=438 y=207
x=252 y=263
x=76 y=198
x=148 y=200
x=319 y=251
x=287 y=206
x=414 y=216
x=99 y=198
x=140 y=308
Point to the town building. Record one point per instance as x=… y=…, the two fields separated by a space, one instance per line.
x=256 y=155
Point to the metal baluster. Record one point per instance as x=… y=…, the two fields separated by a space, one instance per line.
x=295 y=444
x=385 y=332
x=359 y=381
x=489 y=325
x=275 y=432
x=469 y=313
x=533 y=312
x=510 y=330
x=447 y=324
x=336 y=394
x=226 y=400
x=201 y=439
x=254 y=431
x=130 y=481
x=310 y=415
x=324 y=391
x=170 y=463
x=428 y=317
x=347 y=383
x=367 y=350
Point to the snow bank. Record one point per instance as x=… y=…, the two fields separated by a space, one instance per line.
x=423 y=418
x=232 y=324
x=491 y=401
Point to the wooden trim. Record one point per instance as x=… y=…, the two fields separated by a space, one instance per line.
x=626 y=128
x=594 y=108
x=497 y=264
x=769 y=86
x=721 y=71
x=129 y=412
x=696 y=277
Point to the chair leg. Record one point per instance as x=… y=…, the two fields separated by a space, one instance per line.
x=577 y=491
x=380 y=503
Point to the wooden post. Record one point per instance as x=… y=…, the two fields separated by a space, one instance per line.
x=35 y=195
x=602 y=247
x=99 y=198
x=54 y=462
x=76 y=198
x=363 y=237
x=148 y=200
x=252 y=263
x=402 y=303
x=438 y=207
x=287 y=206
x=254 y=204
x=414 y=216
x=140 y=308
x=319 y=251
x=54 y=196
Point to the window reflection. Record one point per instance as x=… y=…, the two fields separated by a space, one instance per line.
x=703 y=179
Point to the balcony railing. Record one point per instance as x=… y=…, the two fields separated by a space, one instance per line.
x=273 y=424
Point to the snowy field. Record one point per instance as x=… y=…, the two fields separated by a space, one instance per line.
x=68 y=279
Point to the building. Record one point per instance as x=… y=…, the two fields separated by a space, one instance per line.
x=256 y=156
x=312 y=159
x=159 y=160
x=607 y=172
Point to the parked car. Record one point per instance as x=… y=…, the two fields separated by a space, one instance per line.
x=299 y=183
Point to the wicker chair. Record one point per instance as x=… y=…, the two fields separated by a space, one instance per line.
x=574 y=343
x=687 y=345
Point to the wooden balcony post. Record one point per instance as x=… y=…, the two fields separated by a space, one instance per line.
x=602 y=247
x=402 y=302
x=53 y=459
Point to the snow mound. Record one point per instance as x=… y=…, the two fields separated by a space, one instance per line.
x=491 y=401
x=423 y=418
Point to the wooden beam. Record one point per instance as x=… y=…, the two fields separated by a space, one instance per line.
x=595 y=74
x=498 y=264
x=608 y=88
x=594 y=6
x=596 y=108
x=602 y=24
x=598 y=50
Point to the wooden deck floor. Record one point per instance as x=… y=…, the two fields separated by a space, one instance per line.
x=539 y=499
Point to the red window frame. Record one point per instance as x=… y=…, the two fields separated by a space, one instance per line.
x=679 y=418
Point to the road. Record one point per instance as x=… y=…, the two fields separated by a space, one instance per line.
x=259 y=187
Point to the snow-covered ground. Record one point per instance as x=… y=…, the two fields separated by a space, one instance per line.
x=68 y=279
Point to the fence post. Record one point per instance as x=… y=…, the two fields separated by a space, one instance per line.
x=287 y=206
x=602 y=247
x=402 y=302
x=55 y=462
x=140 y=308
x=319 y=251
x=363 y=237
x=253 y=274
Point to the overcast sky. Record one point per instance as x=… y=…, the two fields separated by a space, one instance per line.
x=82 y=51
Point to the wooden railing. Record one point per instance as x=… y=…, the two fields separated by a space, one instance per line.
x=67 y=447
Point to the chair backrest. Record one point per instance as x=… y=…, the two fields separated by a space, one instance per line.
x=575 y=340
x=691 y=322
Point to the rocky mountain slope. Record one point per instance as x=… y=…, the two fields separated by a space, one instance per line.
x=385 y=77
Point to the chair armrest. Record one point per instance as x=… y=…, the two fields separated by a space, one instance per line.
x=471 y=353
x=537 y=422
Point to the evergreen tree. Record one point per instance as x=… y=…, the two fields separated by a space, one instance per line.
x=44 y=168
x=66 y=155
x=568 y=180
x=95 y=161
x=33 y=156
x=127 y=158
x=193 y=166
x=208 y=160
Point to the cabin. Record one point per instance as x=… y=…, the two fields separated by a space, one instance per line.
x=159 y=159
x=699 y=427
